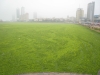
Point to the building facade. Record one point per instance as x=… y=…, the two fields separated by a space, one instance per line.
x=90 y=11
x=18 y=13
x=79 y=14
x=22 y=10
x=35 y=15
x=26 y=17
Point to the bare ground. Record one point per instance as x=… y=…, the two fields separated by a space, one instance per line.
x=52 y=73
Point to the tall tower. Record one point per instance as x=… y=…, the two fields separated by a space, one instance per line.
x=22 y=17
x=13 y=17
x=18 y=13
x=90 y=11
x=22 y=11
x=79 y=14
x=35 y=15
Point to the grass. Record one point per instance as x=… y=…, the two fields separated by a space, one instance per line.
x=48 y=47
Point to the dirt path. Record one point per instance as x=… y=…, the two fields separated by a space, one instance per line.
x=53 y=74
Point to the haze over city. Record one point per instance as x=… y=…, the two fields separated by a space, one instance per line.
x=49 y=37
x=45 y=8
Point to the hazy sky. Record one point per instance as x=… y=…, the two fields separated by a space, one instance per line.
x=45 y=8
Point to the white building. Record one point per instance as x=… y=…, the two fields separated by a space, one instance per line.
x=79 y=14
x=22 y=10
x=90 y=11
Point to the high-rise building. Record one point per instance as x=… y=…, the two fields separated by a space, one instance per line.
x=13 y=17
x=79 y=14
x=26 y=17
x=18 y=13
x=90 y=11
x=22 y=11
x=35 y=15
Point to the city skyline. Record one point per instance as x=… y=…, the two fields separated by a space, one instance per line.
x=23 y=16
x=45 y=8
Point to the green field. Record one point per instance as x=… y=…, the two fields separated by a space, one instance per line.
x=48 y=47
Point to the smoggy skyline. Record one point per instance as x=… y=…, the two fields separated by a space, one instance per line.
x=45 y=8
